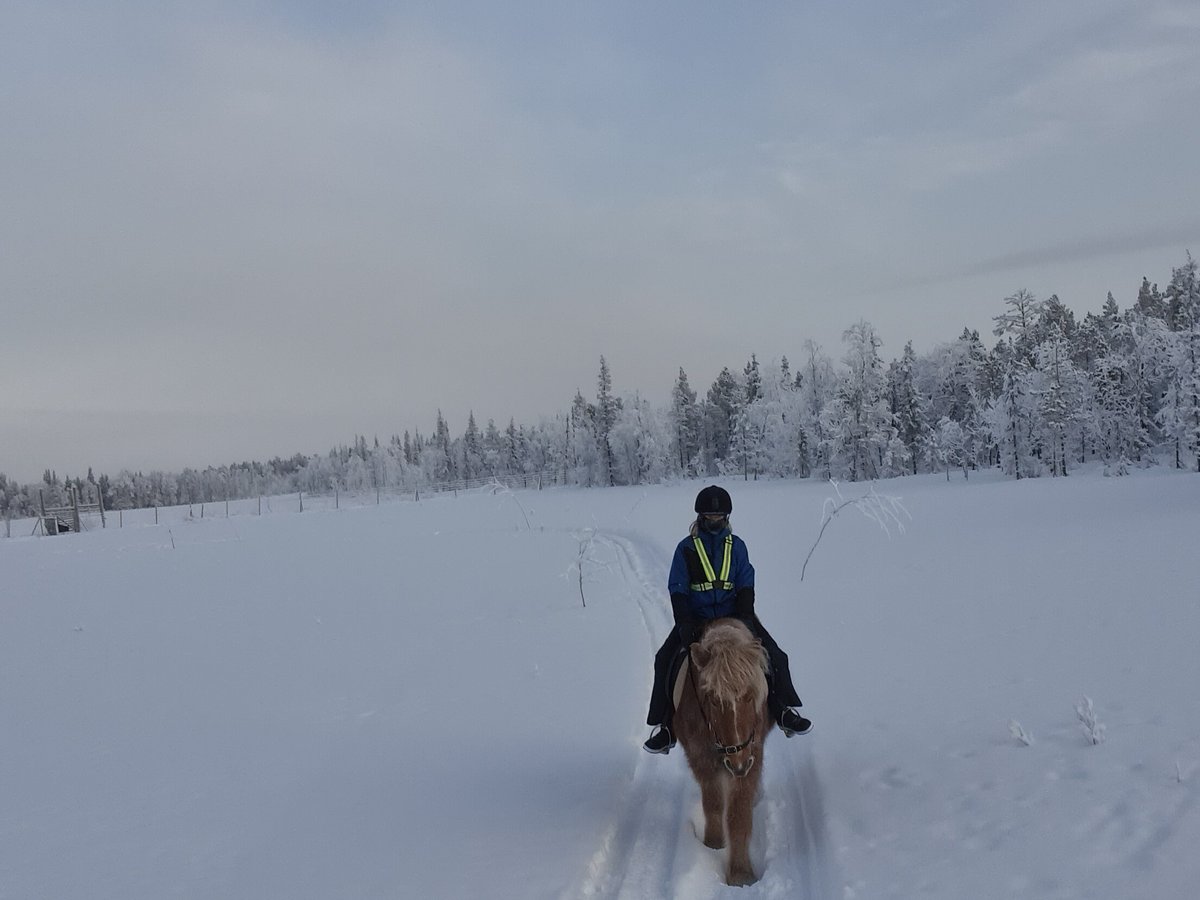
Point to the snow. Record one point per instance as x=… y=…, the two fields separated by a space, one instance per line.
x=409 y=700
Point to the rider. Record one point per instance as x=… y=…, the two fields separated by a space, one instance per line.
x=711 y=577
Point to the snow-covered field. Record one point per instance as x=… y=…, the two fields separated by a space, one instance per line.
x=409 y=700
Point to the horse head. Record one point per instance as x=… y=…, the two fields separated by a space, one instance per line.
x=732 y=690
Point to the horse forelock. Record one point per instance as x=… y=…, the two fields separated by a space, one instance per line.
x=736 y=663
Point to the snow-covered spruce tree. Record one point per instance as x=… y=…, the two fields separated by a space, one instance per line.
x=641 y=443
x=858 y=419
x=514 y=449
x=1180 y=413
x=1060 y=400
x=947 y=446
x=685 y=426
x=1010 y=421
x=1114 y=420
x=492 y=444
x=779 y=416
x=817 y=382
x=905 y=402
x=607 y=407
x=720 y=412
x=949 y=382
x=582 y=455
x=472 y=449
x=747 y=451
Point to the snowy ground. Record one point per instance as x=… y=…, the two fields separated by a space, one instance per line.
x=409 y=700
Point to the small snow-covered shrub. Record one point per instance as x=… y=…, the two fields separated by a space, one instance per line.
x=1019 y=734
x=1092 y=727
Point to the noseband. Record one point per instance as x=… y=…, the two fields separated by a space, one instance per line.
x=724 y=750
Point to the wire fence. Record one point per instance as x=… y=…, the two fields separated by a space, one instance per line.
x=298 y=502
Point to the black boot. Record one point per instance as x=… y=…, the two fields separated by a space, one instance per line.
x=792 y=723
x=661 y=741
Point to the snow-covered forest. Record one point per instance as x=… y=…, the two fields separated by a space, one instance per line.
x=1052 y=392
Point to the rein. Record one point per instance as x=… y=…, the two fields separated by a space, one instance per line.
x=718 y=747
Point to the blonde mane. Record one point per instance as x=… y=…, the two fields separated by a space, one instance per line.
x=735 y=661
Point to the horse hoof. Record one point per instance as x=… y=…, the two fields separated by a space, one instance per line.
x=714 y=843
x=740 y=878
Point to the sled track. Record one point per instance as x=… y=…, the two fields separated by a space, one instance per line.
x=651 y=850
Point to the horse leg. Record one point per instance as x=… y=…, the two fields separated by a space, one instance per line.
x=739 y=810
x=712 y=796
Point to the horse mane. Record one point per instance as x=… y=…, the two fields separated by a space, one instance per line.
x=734 y=662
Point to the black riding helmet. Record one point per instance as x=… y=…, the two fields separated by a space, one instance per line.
x=714 y=499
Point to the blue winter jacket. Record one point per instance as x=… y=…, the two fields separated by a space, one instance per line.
x=718 y=602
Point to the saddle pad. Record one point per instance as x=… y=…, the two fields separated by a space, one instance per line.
x=679 y=679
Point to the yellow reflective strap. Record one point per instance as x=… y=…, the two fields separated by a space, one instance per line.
x=726 y=564
x=707 y=566
x=728 y=558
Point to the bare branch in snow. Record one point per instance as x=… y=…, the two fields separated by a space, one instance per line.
x=886 y=511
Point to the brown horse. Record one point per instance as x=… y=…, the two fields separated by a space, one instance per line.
x=721 y=720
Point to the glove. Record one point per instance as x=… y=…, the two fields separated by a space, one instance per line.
x=743 y=603
x=689 y=633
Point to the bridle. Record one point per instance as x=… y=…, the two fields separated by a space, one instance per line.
x=723 y=750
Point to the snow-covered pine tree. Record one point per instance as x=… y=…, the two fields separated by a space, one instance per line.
x=1150 y=301
x=1020 y=324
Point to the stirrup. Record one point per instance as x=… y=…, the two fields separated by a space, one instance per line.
x=661 y=741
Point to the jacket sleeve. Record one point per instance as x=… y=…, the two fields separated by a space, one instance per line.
x=685 y=619
x=679 y=581
x=743 y=572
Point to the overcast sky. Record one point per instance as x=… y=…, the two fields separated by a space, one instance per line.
x=235 y=230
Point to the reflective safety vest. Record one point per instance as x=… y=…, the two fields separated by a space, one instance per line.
x=709 y=573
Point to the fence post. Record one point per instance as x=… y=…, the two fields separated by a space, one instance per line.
x=227 y=508
x=155 y=515
x=260 y=504
x=300 y=494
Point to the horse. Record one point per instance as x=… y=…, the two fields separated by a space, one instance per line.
x=721 y=720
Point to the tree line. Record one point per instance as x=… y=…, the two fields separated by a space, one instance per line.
x=1120 y=386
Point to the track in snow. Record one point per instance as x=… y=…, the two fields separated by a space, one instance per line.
x=651 y=850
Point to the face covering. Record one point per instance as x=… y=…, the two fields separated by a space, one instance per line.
x=713 y=526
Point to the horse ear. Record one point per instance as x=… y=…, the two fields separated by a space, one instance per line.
x=700 y=656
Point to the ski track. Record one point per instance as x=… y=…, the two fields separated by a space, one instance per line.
x=652 y=850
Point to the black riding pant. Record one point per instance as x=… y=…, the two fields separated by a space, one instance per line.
x=781 y=692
